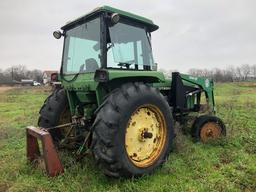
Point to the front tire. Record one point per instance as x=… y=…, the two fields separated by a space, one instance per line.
x=207 y=127
x=133 y=131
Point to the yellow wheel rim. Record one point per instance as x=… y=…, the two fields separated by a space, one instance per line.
x=65 y=117
x=145 y=135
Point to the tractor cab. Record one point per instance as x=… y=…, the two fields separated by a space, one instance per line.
x=107 y=38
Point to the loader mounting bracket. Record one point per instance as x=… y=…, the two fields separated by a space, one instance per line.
x=49 y=153
x=179 y=93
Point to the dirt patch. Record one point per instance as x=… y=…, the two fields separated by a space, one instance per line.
x=247 y=84
x=3 y=89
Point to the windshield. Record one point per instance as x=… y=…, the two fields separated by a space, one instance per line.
x=129 y=48
x=82 y=48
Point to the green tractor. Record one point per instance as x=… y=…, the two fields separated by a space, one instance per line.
x=112 y=100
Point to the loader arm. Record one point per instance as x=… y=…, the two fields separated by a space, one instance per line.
x=205 y=84
x=185 y=94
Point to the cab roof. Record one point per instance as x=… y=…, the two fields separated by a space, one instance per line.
x=144 y=21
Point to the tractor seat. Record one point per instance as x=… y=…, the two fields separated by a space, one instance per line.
x=91 y=65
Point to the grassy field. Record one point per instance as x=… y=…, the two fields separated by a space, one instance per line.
x=226 y=165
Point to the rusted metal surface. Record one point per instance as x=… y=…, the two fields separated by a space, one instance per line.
x=49 y=152
x=210 y=130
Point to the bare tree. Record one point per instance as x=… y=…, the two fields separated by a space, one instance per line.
x=245 y=69
x=239 y=74
x=37 y=75
x=16 y=73
x=230 y=74
x=253 y=71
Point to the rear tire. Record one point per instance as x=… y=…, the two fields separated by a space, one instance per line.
x=110 y=129
x=54 y=112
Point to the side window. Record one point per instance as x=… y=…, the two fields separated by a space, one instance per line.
x=81 y=51
x=139 y=54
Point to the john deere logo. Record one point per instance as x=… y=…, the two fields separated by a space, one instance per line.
x=193 y=78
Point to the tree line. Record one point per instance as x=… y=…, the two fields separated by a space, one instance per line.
x=17 y=73
x=244 y=72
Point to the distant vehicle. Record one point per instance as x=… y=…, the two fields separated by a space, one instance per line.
x=30 y=82
x=35 y=83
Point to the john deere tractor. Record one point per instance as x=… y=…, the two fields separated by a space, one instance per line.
x=113 y=102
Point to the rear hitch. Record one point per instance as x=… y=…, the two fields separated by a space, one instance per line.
x=49 y=153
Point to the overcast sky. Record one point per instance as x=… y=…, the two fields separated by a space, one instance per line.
x=192 y=34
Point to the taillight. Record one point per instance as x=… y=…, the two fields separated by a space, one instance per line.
x=54 y=77
x=101 y=75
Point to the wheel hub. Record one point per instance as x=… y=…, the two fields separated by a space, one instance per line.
x=210 y=131
x=145 y=135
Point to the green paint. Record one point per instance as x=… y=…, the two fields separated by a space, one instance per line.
x=156 y=75
x=206 y=84
x=109 y=9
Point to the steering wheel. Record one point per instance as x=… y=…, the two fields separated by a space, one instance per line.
x=126 y=64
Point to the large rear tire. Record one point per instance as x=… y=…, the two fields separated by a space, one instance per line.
x=133 y=131
x=55 y=111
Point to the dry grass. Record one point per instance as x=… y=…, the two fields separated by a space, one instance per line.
x=5 y=88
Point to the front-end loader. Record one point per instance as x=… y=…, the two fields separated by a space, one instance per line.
x=112 y=100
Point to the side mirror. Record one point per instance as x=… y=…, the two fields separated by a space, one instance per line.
x=114 y=18
x=57 y=34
